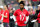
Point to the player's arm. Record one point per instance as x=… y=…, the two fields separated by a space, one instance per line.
x=5 y=16
x=27 y=17
x=14 y=16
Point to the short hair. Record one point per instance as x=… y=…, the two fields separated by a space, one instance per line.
x=22 y=2
x=7 y=6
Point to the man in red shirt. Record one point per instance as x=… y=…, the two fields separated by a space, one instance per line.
x=6 y=17
x=21 y=16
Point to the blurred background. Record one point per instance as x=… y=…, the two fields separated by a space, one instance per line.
x=15 y=3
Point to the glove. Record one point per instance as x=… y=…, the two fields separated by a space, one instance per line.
x=25 y=22
x=15 y=23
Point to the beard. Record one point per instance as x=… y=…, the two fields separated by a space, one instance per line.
x=21 y=8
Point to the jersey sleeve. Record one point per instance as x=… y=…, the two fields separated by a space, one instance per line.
x=27 y=14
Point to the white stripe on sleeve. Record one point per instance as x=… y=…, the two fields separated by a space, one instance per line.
x=14 y=17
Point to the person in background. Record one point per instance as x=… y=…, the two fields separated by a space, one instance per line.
x=37 y=11
x=35 y=16
x=38 y=19
x=9 y=7
x=16 y=2
x=21 y=16
x=31 y=17
x=12 y=2
x=32 y=10
x=38 y=15
x=11 y=22
x=6 y=16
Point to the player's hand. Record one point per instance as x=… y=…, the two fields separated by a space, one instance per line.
x=25 y=22
x=16 y=23
x=2 y=15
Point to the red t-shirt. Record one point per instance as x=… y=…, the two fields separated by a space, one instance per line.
x=6 y=13
x=21 y=16
x=1 y=12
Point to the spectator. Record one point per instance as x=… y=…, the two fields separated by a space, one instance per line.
x=38 y=15
x=9 y=7
x=12 y=24
x=32 y=11
x=12 y=2
x=26 y=3
x=31 y=17
x=16 y=2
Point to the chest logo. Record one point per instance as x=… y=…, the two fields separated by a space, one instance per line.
x=22 y=15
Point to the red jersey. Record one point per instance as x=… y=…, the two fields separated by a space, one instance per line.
x=6 y=13
x=38 y=17
x=1 y=12
x=21 y=16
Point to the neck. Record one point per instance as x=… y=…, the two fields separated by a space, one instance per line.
x=21 y=9
x=6 y=9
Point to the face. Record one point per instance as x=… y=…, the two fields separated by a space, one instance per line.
x=5 y=7
x=21 y=6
